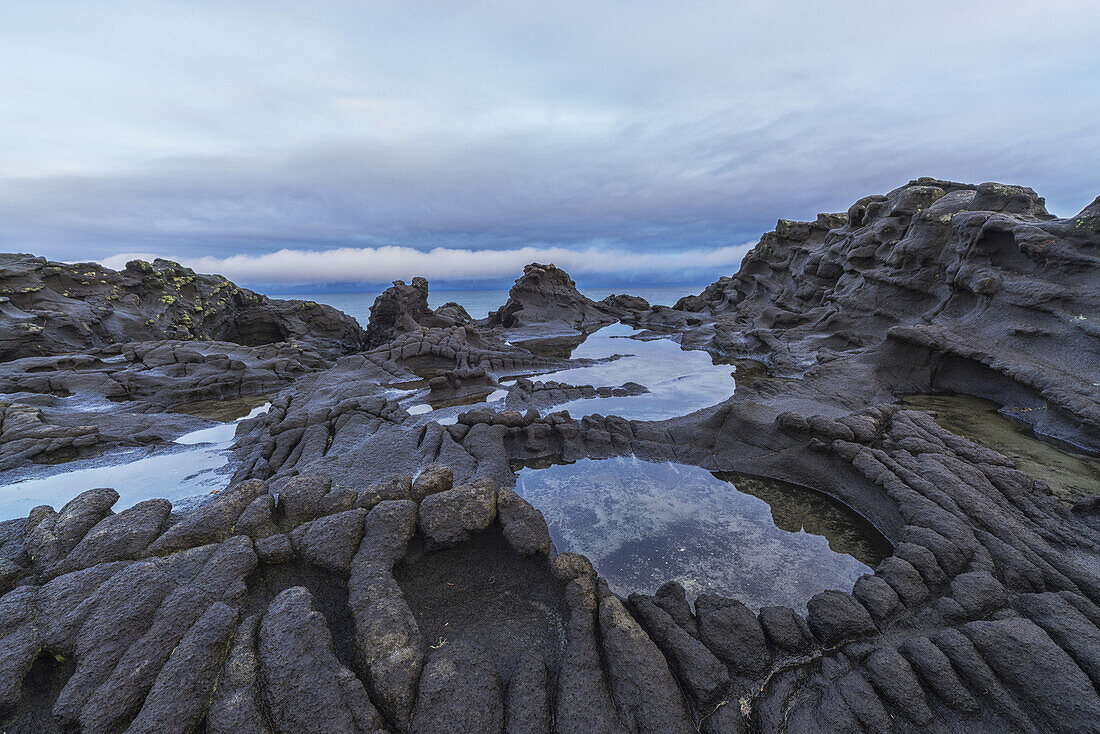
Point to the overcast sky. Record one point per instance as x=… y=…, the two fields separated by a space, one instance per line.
x=277 y=142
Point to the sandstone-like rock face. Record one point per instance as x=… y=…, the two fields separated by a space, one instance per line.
x=547 y=297
x=51 y=307
x=954 y=287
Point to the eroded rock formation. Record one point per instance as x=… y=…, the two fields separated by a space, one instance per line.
x=546 y=297
x=51 y=307
x=936 y=285
x=402 y=308
x=372 y=569
x=424 y=606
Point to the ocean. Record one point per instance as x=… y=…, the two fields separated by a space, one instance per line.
x=480 y=302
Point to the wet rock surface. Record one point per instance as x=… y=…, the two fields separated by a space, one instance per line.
x=372 y=569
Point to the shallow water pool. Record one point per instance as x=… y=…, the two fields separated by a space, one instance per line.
x=680 y=381
x=757 y=540
x=1069 y=474
x=188 y=467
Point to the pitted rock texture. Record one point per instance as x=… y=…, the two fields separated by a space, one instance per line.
x=164 y=373
x=26 y=436
x=326 y=633
x=123 y=394
x=536 y=393
x=51 y=308
x=344 y=415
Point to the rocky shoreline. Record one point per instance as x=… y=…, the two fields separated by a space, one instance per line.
x=371 y=567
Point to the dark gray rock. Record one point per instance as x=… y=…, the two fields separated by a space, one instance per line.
x=434 y=479
x=307 y=689
x=648 y=699
x=524 y=527
x=214 y=521
x=547 y=296
x=703 y=676
x=55 y=534
x=388 y=644
x=835 y=617
x=898 y=685
x=672 y=598
x=394 y=488
x=1038 y=672
x=786 y=629
x=86 y=305
x=978 y=593
x=583 y=702
x=235 y=706
x=877 y=596
x=732 y=632
x=116 y=537
x=181 y=692
x=460 y=693
x=403 y=308
x=275 y=548
x=308 y=496
x=449 y=517
x=330 y=542
x=527 y=707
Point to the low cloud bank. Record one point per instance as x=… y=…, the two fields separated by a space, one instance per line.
x=383 y=264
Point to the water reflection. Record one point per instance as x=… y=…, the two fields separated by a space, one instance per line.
x=554 y=347
x=190 y=466
x=643 y=524
x=680 y=381
x=227 y=410
x=1070 y=475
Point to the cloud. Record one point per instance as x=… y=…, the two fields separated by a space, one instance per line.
x=383 y=264
x=205 y=129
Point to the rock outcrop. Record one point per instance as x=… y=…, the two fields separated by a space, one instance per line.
x=545 y=296
x=423 y=607
x=935 y=286
x=372 y=569
x=49 y=308
x=402 y=308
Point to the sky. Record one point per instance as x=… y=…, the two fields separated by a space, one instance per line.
x=352 y=142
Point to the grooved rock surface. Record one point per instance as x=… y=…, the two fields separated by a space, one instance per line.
x=370 y=569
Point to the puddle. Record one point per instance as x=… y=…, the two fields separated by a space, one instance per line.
x=679 y=381
x=750 y=371
x=555 y=347
x=226 y=410
x=220 y=434
x=1070 y=475
x=190 y=466
x=760 y=541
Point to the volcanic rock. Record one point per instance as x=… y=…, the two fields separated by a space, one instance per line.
x=402 y=308
x=51 y=307
x=547 y=297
